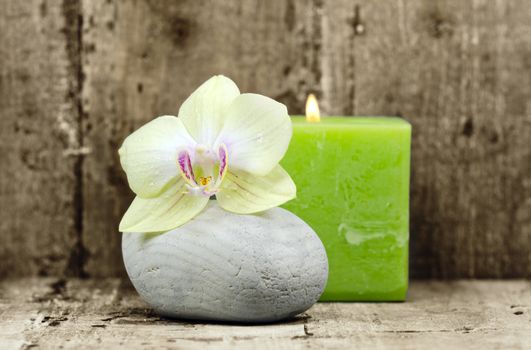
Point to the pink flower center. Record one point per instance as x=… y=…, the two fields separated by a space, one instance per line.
x=203 y=169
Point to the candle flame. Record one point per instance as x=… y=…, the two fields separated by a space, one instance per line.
x=312 y=109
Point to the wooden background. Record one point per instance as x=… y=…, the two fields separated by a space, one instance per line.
x=77 y=76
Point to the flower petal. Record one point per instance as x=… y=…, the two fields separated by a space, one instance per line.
x=257 y=131
x=185 y=165
x=171 y=209
x=223 y=162
x=204 y=111
x=149 y=155
x=245 y=193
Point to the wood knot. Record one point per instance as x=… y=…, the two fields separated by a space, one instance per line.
x=439 y=25
x=179 y=30
x=357 y=24
x=468 y=127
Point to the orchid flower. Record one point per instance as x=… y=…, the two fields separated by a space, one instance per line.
x=222 y=143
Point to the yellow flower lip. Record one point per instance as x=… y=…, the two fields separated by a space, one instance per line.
x=203 y=181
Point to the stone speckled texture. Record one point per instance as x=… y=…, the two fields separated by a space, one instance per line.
x=227 y=267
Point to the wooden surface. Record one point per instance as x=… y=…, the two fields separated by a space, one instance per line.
x=38 y=140
x=105 y=314
x=77 y=76
x=455 y=70
x=142 y=59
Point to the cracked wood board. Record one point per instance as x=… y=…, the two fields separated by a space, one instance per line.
x=76 y=78
x=84 y=314
x=142 y=59
x=38 y=136
x=454 y=69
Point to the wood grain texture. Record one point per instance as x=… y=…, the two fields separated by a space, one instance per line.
x=38 y=138
x=87 y=314
x=77 y=76
x=143 y=58
x=459 y=72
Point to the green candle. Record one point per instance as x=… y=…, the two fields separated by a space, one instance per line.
x=352 y=177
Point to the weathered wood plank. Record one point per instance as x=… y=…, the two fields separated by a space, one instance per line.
x=106 y=314
x=452 y=68
x=456 y=70
x=39 y=138
x=143 y=58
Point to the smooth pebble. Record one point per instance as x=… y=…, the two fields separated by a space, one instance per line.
x=228 y=267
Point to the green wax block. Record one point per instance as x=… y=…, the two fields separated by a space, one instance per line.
x=352 y=177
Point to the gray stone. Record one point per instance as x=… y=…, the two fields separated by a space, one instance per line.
x=227 y=267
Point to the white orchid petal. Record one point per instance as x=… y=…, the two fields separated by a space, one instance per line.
x=203 y=113
x=245 y=193
x=168 y=211
x=149 y=155
x=257 y=132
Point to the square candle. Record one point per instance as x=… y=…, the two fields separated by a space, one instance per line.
x=352 y=177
